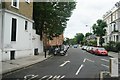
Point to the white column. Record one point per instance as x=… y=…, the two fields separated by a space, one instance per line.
x=98 y=41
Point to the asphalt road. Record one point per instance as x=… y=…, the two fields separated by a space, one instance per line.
x=75 y=64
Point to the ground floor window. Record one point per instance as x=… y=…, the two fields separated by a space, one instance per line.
x=12 y=55
x=36 y=51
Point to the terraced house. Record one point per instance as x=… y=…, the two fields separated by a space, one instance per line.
x=17 y=37
x=112 y=18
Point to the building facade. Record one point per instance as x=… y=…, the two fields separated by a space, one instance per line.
x=57 y=41
x=112 y=18
x=17 y=37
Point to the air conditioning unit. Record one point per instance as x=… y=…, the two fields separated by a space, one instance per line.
x=28 y=1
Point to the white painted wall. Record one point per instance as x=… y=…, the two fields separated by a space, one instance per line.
x=25 y=44
x=22 y=45
x=36 y=42
x=0 y=35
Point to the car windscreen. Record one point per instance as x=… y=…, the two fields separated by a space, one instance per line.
x=101 y=49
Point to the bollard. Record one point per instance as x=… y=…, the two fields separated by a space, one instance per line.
x=114 y=67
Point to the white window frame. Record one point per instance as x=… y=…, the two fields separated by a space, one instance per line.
x=28 y=1
x=15 y=6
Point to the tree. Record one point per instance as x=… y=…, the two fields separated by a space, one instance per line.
x=88 y=34
x=79 y=37
x=51 y=17
x=99 y=29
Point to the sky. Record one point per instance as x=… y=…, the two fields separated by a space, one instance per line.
x=87 y=12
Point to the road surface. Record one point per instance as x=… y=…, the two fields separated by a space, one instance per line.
x=75 y=64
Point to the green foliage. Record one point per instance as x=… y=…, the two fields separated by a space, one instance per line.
x=70 y=41
x=92 y=43
x=51 y=17
x=118 y=46
x=99 y=29
x=113 y=46
x=79 y=38
x=88 y=34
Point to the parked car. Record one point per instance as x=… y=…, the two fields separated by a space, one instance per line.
x=75 y=46
x=61 y=50
x=84 y=47
x=87 y=48
x=101 y=51
x=90 y=50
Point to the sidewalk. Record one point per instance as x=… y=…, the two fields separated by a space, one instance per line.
x=11 y=65
x=106 y=75
x=114 y=54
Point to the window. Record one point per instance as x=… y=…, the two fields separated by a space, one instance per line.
x=117 y=38
x=26 y=25
x=13 y=30
x=15 y=3
x=114 y=27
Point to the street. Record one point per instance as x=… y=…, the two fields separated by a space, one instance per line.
x=75 y=64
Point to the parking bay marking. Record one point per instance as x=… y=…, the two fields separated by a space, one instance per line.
x=105 y=60
x=105 y=65
x=88 y=60
x=64 y=63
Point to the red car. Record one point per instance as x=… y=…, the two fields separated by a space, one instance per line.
x=101 y=51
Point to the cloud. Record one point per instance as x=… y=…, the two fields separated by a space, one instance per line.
x=86 y=13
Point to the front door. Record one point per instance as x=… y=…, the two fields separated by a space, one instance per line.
x=12 y=55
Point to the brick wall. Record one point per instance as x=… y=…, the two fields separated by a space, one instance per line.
x=25 y=9
x=56 y=41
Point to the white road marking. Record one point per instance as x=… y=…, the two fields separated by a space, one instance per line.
x=30 y=77
x=64 y=63
x=79 y=69
x=105 y=60
x=58 y=77
x=62 y=77
x=90 y=60
x=55 y=76
x=43 y=77
x=84 y=60
x=50 y=77
x=34 y=76
x=105 y=65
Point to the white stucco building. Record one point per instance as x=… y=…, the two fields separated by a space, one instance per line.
x=112 y=18
x=17 y=37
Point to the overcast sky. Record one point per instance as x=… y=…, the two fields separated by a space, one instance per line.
x=86 y=13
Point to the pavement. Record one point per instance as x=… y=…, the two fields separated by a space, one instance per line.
x=11 y=65
x=114 y=54
x=106 y=75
